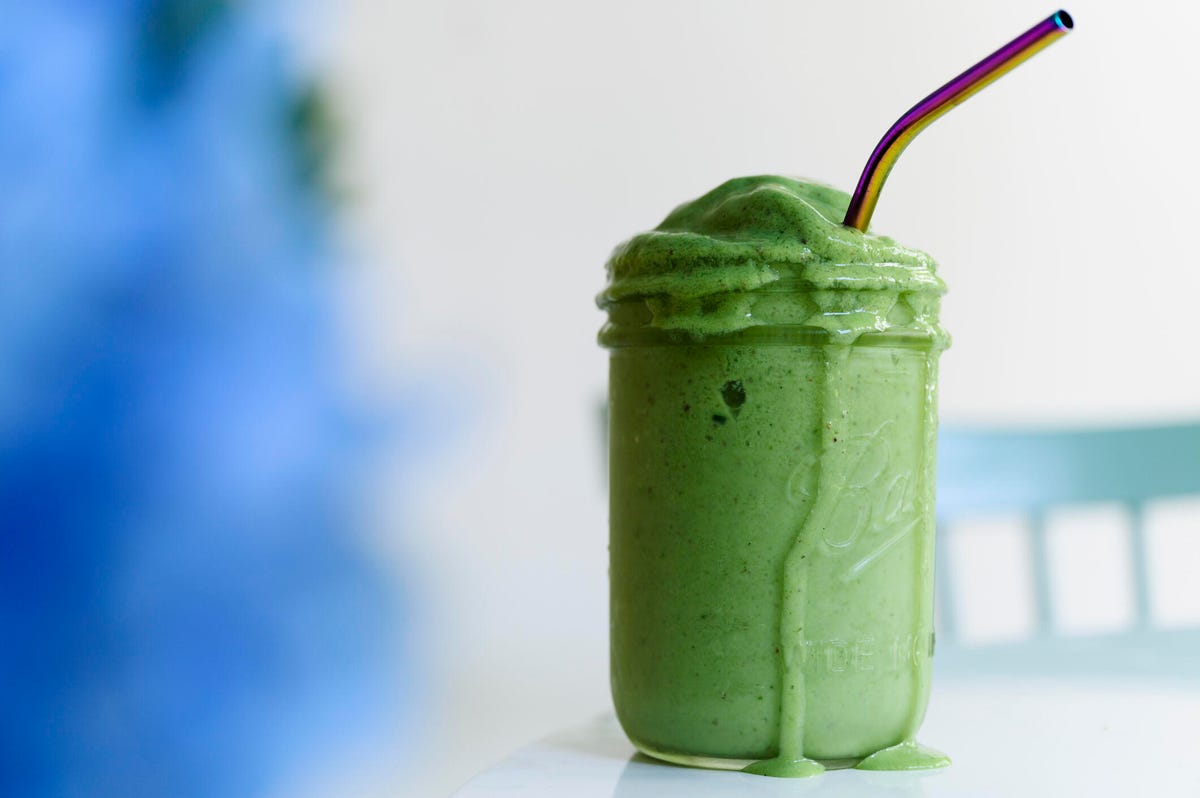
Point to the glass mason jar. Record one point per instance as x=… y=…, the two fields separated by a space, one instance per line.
x=771 y=539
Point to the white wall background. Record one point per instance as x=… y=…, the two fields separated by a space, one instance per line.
x=499 y=150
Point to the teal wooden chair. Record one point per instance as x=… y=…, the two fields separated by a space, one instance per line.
x=1031 y=472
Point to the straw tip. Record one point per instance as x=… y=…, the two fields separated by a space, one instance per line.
x=1063 y=20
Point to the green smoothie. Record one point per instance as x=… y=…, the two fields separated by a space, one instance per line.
x=772 y=405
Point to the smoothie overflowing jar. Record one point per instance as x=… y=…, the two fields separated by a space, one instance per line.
x=772 y=419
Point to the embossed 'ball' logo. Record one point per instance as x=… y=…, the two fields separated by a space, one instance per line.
x=855 y=494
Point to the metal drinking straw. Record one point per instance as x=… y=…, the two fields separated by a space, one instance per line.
x=919 y=117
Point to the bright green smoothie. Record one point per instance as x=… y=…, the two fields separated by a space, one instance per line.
x=772 y=406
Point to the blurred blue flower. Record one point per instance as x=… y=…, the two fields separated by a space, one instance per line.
x=185 y=609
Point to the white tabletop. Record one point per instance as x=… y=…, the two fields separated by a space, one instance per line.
x=1007 y=738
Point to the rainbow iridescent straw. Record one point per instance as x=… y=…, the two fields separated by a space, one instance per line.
x=919 y=117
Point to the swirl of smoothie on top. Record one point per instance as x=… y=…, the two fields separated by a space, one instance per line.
x=767 y=250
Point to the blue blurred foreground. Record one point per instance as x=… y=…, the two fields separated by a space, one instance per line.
x=184 y=608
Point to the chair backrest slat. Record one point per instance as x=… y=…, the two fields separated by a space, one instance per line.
x=1139 y=570
x=1040 y=568
x=982 y=470
x=944 y=580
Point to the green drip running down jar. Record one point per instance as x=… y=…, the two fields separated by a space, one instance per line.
x=772 y=436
